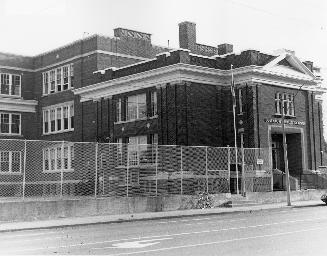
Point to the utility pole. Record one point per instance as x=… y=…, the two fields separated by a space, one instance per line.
x=235 y=131
x=288 y=188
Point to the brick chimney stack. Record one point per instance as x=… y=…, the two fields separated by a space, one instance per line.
x=187 y=35
x=225 y=49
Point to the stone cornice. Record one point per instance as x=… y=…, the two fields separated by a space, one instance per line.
x=18 y=105
x=180 y=72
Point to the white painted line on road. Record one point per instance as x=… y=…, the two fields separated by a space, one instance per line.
x=139 y=244
x=168 y=235
x=216 y=221
x=198 y=219
x=217 y=242
x=34 y=239
x=5 y=236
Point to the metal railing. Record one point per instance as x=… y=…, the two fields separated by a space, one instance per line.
x=43 y=169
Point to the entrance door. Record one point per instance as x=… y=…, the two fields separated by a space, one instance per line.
x=294 y=152
x=276 y=155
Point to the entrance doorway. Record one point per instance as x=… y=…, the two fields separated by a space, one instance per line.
x=294 y=152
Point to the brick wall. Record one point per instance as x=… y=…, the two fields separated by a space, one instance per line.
x=306 y=110
x=13 y=60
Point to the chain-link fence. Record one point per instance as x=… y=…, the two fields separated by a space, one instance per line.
x=45 y=169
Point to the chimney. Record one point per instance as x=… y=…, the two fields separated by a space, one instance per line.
x=187 y=35
x=309 y=65
x=225 y=48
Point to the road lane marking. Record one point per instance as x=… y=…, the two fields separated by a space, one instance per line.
x=139 y=244
x=199 y=219
x=167 y=235
x=210 y=222
x=216 y=242
x=5 y=236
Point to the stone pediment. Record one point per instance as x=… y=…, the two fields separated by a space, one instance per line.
x=287 y=64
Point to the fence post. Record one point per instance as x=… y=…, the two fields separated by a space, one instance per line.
x=157 y=170
x=127 y=171
x=228 y=166
x=243 y=172
x=271 y=167
x=61 y=167
x=207 y=178
x=96 y=171
x=181 y=170
x=24 y=174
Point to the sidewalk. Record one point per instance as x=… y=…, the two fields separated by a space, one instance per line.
x=66 y=222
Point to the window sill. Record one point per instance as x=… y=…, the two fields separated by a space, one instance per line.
x=286 y=116
x=58 y=132
x=11 y=134
x=55 y=93
x=135 y=120
x=10 y=173
x=11 y=96
x=59 y=171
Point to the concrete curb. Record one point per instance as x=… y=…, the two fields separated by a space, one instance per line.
x=83 y=221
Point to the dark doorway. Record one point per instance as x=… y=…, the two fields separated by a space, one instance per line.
x=294 y=156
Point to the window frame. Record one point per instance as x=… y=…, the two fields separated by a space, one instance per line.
x=153 y=104
x=54 y=109
x=10 y=162
x=62 y=78
x=284 y=102
x=11 y=85
x=136 y=102
x=118 y=110
x=10 y=123
x=240 y=100
x=50 y=157
x=137 y=149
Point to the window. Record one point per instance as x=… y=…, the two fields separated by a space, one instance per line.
x=136 y=107
x=5 y=123
x=65 y=76
x=153 y=104
x=284 y=101
x=240 y=102
x=10 y=123
x=66 y=125
x=45 y=82
x=118 y=110
x=154 y=138
x=16 y=84
x=15 y=124
x=58 y=158
x=58 y=79
x=53 y=120
x=10 y=84
x=45 y=122
x=71 y=116
x=137 y=147
x=52 y=81
x=59 y=118
x=10 y=161
x=71 y=75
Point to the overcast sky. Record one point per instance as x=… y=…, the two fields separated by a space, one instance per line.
x=31 y=27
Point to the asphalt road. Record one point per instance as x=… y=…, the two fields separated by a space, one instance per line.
x=287 y=231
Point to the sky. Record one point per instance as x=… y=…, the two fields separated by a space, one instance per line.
x=30 y=27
